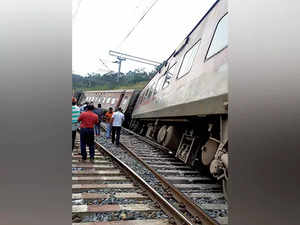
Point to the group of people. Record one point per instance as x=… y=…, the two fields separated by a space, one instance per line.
x=88 y=119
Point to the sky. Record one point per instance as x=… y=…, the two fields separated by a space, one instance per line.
x=101 y=25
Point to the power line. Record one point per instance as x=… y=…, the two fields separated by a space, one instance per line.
x=104 y=64
x=76 y=10
x=143 y=16
x=134 y=58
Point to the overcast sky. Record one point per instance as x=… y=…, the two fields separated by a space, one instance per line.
x=101 y=25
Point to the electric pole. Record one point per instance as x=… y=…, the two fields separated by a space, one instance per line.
x=120 y=59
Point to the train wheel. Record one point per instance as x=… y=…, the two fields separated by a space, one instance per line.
x=161 y=134
x=225 y=188
x=149 y=132
x=208 y=152
x=171 y=139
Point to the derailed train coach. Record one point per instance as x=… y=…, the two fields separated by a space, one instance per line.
x=125 y=99
x=185 y=106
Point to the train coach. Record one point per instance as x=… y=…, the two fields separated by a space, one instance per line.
x=185 y=106
x=125 y=99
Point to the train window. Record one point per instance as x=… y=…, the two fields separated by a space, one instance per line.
x=108 y=100
x=151 y=91
x=220 y=38
x=142 y=97
x=147 y=93
x=113 y=100
x=103 y=100
x=159 y=84
x=125 y=100
x=169 y=75
x=188 y=59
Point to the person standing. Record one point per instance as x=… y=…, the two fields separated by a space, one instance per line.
x=98 y=111
x=117 y=120
x=108 y=120
x=75 y=115
x=88 y=119
x=83 y=107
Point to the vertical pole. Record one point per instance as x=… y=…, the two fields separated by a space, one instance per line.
x=119 y=72
x=120 y=59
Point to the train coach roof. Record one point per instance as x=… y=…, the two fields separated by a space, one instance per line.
x=185 y=39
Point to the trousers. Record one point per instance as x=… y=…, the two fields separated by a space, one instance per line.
x=73 y=138
x=97 y=129
x=115 y=131
x=87 y=138
x=108 y=130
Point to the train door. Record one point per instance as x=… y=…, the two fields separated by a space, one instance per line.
x=120 y=99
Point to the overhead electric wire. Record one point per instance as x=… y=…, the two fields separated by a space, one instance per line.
x=143 y=16
x=104 y=64
x=76 y=10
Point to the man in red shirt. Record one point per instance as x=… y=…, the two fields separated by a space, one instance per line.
x=88 y=119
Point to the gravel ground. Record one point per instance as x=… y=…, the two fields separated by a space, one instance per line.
x=111 y=190
x=123 y=215
x=208 y=200
x=113 y=200
x=132 y=163
x=216 y=213
x=103 y=182
x=110 y=200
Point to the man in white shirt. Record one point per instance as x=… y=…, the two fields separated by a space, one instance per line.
x=117 y=120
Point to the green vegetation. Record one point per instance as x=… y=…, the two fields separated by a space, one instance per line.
x=138 y=85
x=136 y=79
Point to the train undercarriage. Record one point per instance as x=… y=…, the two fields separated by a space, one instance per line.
x=200 y=142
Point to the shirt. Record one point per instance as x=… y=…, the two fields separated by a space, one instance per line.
x=75 y=115
x=118 y=119
x=98 y=111
x=108 y=116
x=82 y=108
x=88 y=119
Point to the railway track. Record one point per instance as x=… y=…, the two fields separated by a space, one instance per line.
x=197 y=196
x=108 y=192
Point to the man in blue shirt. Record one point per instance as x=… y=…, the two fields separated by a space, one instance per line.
x=98 y=111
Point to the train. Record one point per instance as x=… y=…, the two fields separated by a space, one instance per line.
x=184 y=107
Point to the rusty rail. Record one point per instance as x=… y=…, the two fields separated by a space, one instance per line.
x=190 y=206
